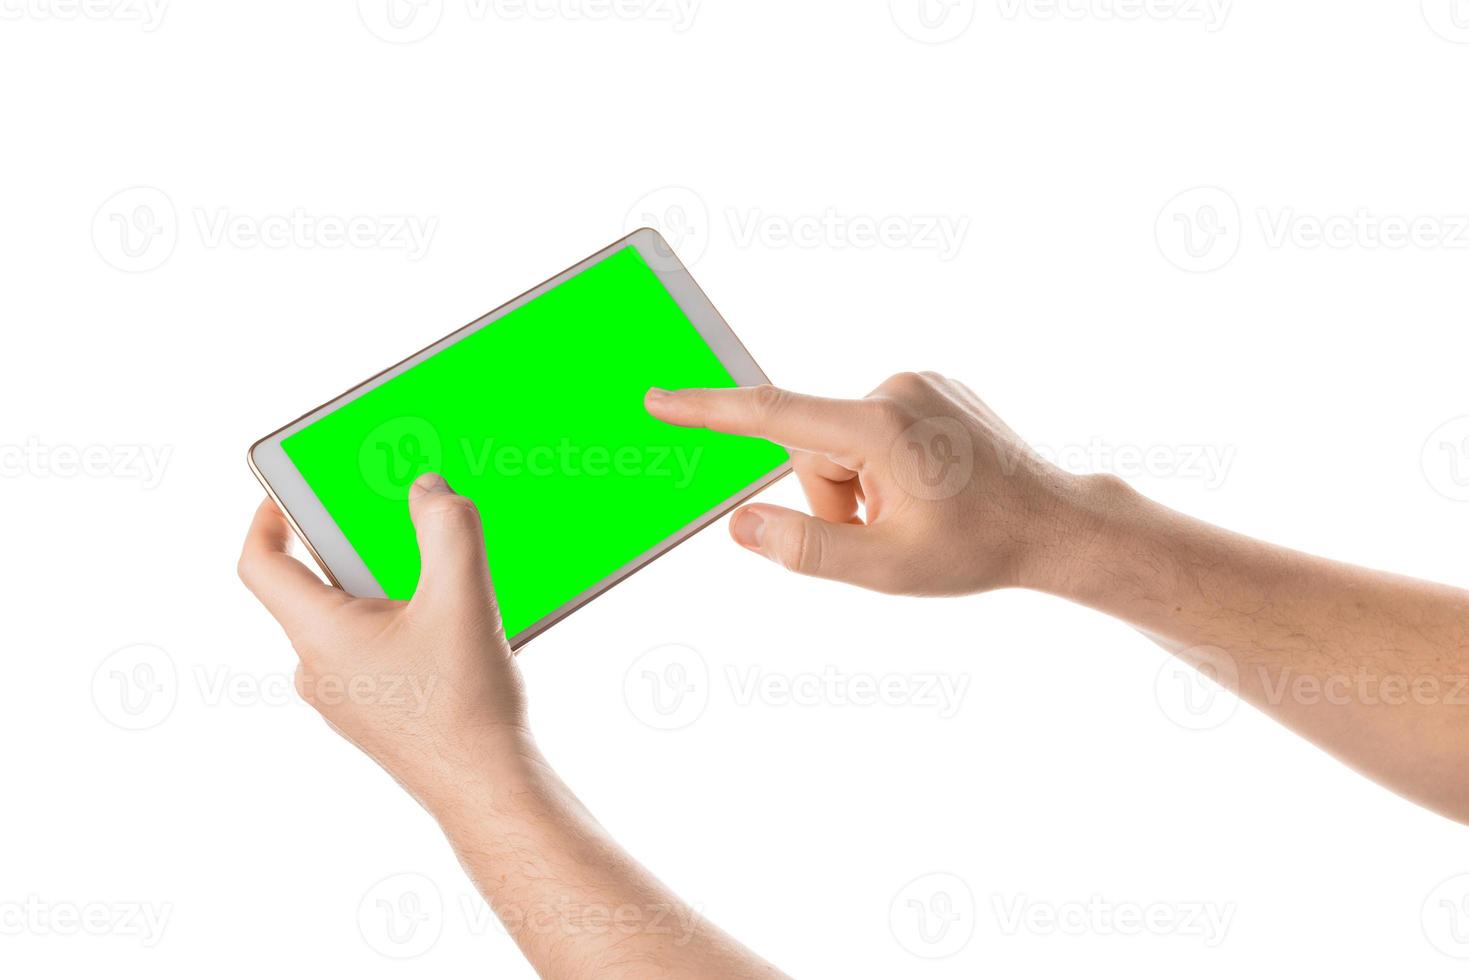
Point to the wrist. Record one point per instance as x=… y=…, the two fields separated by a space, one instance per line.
x=1087 y=541
x=482 y=769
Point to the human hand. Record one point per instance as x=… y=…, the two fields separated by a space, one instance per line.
x=951 y=500
x=428 y=688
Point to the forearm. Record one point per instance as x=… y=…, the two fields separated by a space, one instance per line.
x=575 y=902
x=1372 y=667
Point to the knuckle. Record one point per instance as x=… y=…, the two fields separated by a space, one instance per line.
x=768 y=399
x=891 y=414
x=801 y=549
x=906 y=382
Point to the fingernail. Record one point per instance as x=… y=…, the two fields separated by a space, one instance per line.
x=748 y=529
x=428 y=483
x=657 y=393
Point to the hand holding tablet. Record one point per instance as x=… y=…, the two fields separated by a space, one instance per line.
x=535 y=412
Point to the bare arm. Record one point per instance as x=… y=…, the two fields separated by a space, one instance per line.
x=1372 y=667
x=921 y=489
x=575 y=902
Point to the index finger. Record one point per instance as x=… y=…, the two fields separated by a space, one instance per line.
x=288 y=589
x=822 y=425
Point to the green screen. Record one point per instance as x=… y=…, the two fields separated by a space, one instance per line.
x=539 y=418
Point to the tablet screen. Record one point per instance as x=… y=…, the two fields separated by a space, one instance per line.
x=538 y=417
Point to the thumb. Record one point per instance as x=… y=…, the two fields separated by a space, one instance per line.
x=809 y=545
x=451 y=544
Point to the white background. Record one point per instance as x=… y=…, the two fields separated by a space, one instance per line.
x=1057 y=139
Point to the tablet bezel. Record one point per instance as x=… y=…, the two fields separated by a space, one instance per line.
x=335 y=554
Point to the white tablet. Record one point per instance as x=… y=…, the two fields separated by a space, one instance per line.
x=535 y=411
